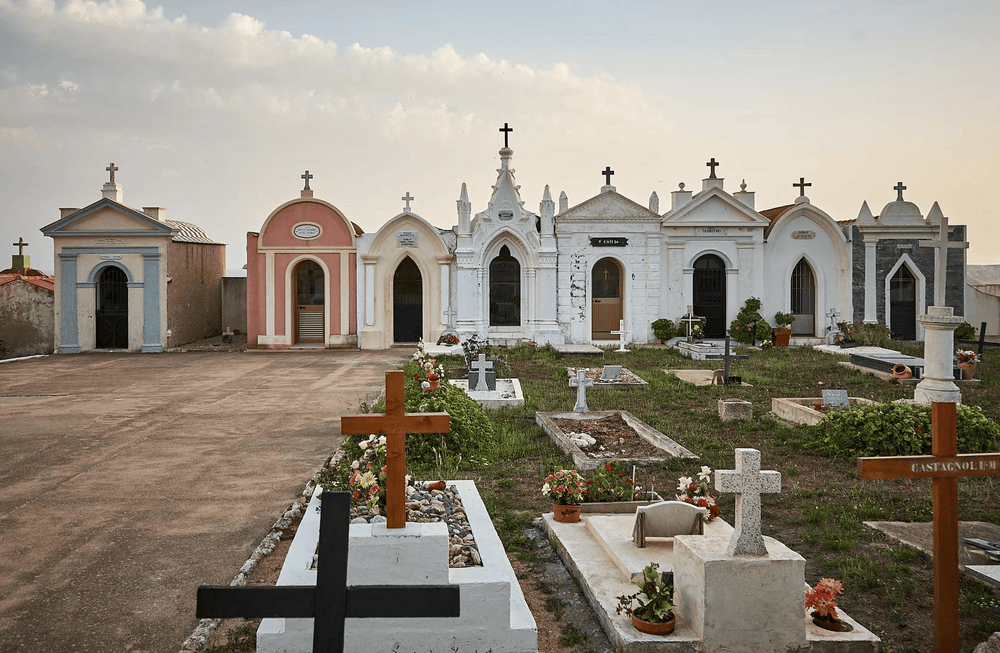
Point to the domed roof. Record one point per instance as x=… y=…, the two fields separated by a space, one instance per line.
x=900 y=211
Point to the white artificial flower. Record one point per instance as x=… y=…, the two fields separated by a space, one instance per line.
x=545 y=489
x=706 y=473
x=683 y=482
x=355 y=465
x=381 y=439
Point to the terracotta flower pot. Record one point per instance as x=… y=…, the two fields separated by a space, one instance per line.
x=653 y=628
x=829 y=623
x=901 y=372
x=968 y=370
x=781 y=336
x=566 y=514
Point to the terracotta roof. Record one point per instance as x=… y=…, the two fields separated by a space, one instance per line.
x=776 y=212
x=46 y=282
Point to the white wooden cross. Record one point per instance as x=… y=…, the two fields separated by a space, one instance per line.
x=748 y=482
x=480 y=366
x=942 y=245
x=581 y=383
x=833 y=315
x=690 y=319
x=622 y=336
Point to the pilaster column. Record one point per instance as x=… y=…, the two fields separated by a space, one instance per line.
x=871 y=307
x=444 y=263
x=151 y=303
x=369 y=260
x=69 y=335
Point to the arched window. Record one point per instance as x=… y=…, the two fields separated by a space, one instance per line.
x=803 y=298
x=505 y=290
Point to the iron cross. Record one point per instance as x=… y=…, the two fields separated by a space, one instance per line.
x=712 y=164
x=802 y=186
x=112 y=169
x=307 y=177
x=506 y=130
x=406 y=198
x=607 y=175
x=726 y=358
x=331 y=601
x=20 y=245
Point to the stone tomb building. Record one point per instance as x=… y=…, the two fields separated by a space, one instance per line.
x=132 y=280
x=27 y=299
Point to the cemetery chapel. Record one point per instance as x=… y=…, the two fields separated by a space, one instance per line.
x=571 y=274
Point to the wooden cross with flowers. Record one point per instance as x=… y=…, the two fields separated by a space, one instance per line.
x=395 y=425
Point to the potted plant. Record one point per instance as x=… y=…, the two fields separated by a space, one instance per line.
x=823 y=600
x=697 y=492
x=846 y=339
x=697 y=331
x=664 y=329
x=432 y=374
x=655 y=614
x=965 y=360
x=565 y=489
x=782 y=329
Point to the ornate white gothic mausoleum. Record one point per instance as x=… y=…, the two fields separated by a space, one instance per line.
x=569 y=274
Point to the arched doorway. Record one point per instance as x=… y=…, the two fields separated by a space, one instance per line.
x=112 y=309
x=710 y=294
x=505 y=290
x=903 y=304
x=607 y=299
x=803 y=299
x=407 y=302
x=309 y=303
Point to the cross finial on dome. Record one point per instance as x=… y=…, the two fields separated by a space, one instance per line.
x=712 y=164
x=112 y=169
x=406 y=198
x=899 y=188
x=802 y=186
x=307 y=177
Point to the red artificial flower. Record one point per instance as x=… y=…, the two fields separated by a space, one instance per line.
x=609 y=467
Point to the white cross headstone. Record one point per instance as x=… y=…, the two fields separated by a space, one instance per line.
x=622 y=336
x=450 y=314
x=941 y=245
x=581 y=383
x=480 y=366
x=833 y=329
x=690 y=320
x=748 y=482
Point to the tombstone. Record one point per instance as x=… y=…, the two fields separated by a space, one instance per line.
x=611 y=373
x=667 y=519
x=748 y=482
x=690 y=319
x=581 y=383
x=836 y=399
x=833 y=330
x=622 y=336
x=482 y=376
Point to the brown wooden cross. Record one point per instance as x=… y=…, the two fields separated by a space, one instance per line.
x=395 y=425
x=944 y=466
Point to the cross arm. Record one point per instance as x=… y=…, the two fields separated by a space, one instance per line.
x=385 y=601
x=410 y=423
x=970 y=464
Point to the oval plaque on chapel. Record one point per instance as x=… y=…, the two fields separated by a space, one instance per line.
x=306 y=231
x=803 y=235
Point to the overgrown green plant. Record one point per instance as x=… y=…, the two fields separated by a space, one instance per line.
x=783 y=319
x=897 y=430
x=742 y=328
x=965 y=331
x=664 y=329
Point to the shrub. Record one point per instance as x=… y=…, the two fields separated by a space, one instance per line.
x=872 y=335
x=783 y=319
x=965 y=331
x=742 y=328
x=664 y=329
x=897 y=430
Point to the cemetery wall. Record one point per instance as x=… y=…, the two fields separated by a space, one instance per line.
x=194 y=293
x=234 y=303
x=27 y=313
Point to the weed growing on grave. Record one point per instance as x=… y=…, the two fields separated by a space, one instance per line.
x=571 y=636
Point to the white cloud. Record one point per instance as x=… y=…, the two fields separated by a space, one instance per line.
x=17 y=134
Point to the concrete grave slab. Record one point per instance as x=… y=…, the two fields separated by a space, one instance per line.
x=801 y=410
x=626 y=378
x=920 y=535
x=508 y=393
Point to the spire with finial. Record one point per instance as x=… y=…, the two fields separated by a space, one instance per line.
x=563 y=202
x=547 y=210
x=654 y=202
x=464 y=211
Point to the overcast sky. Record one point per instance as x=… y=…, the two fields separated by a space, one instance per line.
x=214 y=108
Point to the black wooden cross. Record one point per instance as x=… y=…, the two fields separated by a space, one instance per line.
x=330 y=601
x=307 y=177
x=506 y=130
x=112 y=168
x=981 y=342
x=726 y=358
x=712 y=164
x=607 y=175
x=899 y=188
x=802 y=186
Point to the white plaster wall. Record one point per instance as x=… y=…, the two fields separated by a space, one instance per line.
x=982 y=307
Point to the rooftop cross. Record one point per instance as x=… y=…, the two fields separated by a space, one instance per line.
x=607 y=175
x=479 y=366
x=330 y=601
x=581 y=383
x=942 y=244
x=395 y=425
x=725 y=360
x=112 y=169
x=406 y=198
x=307 y=177
x=748 y=482
x=712 y=164
x=899 y=188
x=20 y=245
x=944 y=466
x=802 y=186
x=506 y=130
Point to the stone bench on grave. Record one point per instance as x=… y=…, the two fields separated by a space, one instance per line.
x=667 y=519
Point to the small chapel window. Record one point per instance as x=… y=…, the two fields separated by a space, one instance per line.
x=505 y=290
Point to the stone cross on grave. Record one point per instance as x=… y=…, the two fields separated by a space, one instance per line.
x=581 y=383
x=480 y=366
x=942 y=245
x=395 y=425
x=622 y=336
x=726 y=358
x=406 y=198
x=748 y=482
x=833 y=315
x=330 y=601
x=981 y=342
x=943 y=466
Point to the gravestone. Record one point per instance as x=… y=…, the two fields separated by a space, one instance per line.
x=836 y=398
x=748 y=482
x=833 y=330
x=667 y=519
x=227 y=335
x=611 y=372
x=622 y=336
x=726 y=358
x=690 y=319
x=482 y=376
x=581 y=383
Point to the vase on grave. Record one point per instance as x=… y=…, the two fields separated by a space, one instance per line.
x=653 y=628
x=968 y=370
x=434 y=382
x=781 y=336
x=827 y=622
x=901 y=372
x=566 y=514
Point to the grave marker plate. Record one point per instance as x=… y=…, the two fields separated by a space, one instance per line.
x=836 y=398
x=611 y=373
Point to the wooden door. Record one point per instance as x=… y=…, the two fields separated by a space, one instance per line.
x=606 y=311
x=903 y=304
x=309 y=307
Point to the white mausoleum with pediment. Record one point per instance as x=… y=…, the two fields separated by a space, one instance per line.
x=573 y=274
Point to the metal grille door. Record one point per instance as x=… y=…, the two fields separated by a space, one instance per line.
x=710 y=294
x=505 y=290
x=112 y=309
x=407 y=302
x=903 y=305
